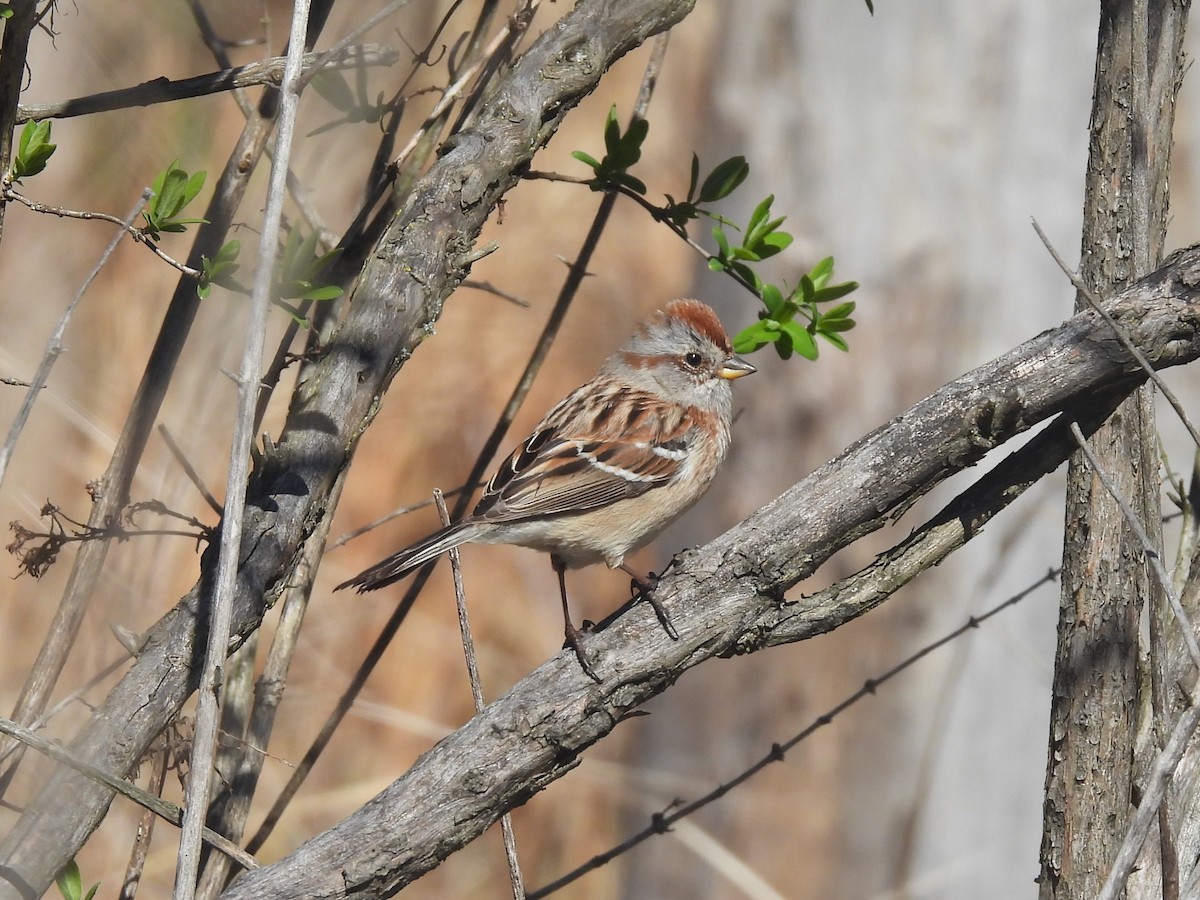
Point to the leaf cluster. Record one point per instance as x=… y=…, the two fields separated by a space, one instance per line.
x=172 y=190
x=297 y=275
x=621 y=152
x=792 y=317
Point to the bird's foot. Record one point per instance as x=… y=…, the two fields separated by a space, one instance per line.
x=573 y=641
x=643 y=589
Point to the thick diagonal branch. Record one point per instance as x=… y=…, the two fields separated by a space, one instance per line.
x=724 y=596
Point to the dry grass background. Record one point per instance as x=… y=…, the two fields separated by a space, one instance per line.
x=895 y=191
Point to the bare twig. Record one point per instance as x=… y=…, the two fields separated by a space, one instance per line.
x=342 y=48
x=162 y=90
x=488 y=287
x=208 y=704
x=136 y=233
x=396 y=513
x=145 y=830
x=41 y=721
x=1121 y=335
x=189 y=470
x=268 y=694
x=468 y=642
x=54 y=344
x=1152 y=555
x=460 y=84
x=1147 y=809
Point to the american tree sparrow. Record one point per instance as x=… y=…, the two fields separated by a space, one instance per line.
x=611 y=465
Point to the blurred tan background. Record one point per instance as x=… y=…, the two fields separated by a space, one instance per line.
x=914 y=146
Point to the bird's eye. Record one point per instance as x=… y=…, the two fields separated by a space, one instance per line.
x=692 y=360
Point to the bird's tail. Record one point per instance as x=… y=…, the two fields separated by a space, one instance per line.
x=400 y=564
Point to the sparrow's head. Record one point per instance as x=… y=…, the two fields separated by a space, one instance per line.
x=683 y=355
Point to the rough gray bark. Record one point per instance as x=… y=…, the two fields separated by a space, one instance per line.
x=1105 y=583
x=726 y=597
x=425 y=252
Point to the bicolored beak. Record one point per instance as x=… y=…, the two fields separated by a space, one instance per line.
x=735 y=367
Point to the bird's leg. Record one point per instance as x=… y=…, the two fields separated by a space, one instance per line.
x=569 y=630
x=645 y=590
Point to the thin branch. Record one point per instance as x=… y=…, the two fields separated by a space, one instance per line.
x=468 y=642
x=54 y=343
x=136 y=233
x=1152 y=555
x=489 y=288
x=163 y=90
x=145 y=830
x=331 y=57
x=1147 y=810
x=189 y=470
x=268 y=694
x=459 y=86
x=1121 y=335
x=158 y=806
x=208 y=705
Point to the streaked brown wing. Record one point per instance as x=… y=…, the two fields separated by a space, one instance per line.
x=575 y=462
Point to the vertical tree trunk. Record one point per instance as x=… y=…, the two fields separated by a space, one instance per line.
x=1104 y=582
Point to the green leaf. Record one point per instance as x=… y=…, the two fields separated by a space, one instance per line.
x=755 y=336
x=748 y=275
x=773 y=243
x=612 y=132
x=724 y=179
x=586 y=159
x=321 y=292
x=836 y=292
x=33 y=149
x=800 y=341
x=836 y=340
x=6 y=11
x=772 y=298
x=220 y=270
x=841 y=311
x=821 y=271
x=718 y=234
x=299 y=269
x=634 y=184
x=70 y=882
x=805 y=289
x=759 y=216
x=691 y=194
x=836 y=325
x=173 y=189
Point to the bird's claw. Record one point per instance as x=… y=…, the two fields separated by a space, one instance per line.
x=572 y=635
x=644 y=590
